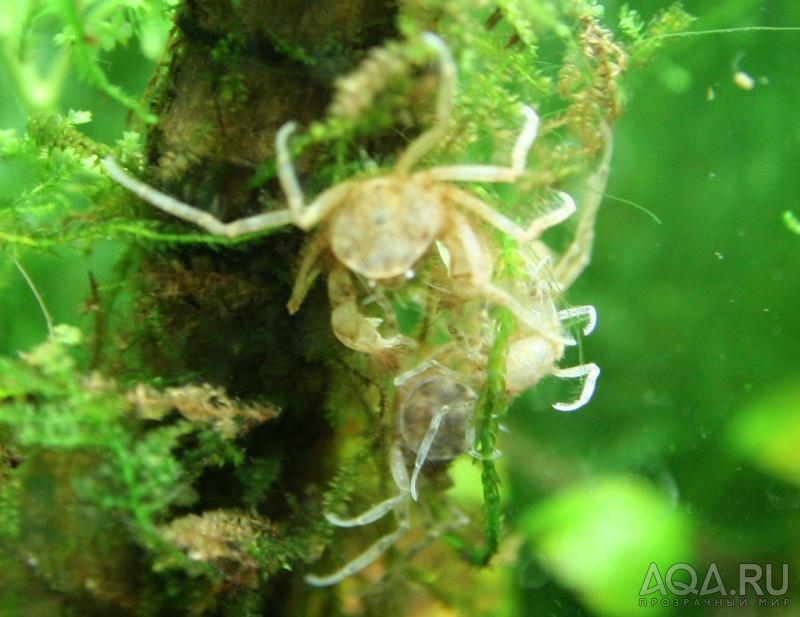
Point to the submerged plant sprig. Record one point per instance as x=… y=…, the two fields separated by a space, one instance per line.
x=491 y=408
x=100 y=444
x=82 y=33
x=64 y=200
x=645 y=39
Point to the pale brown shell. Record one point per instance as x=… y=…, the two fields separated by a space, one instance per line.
x=422 y=403
x=385 y=226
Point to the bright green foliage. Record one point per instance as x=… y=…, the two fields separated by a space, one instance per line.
x=645 y=39
x=600 y=539
x=83 y=33
x=490 y=410
x=60 y=176
x=768 y=431
x=79 y=438
x=791 y=222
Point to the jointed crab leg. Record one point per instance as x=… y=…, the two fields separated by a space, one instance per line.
x=444 y=107
x=366 y=558
x=201 y=218
x=591 y=372
x=587 y=311
x=577 y=256
x=304 y=216
x=492 y=173
x=523 y=234
x=425 y=447
x=397 y=504
x=307 y=273
x=375 y=513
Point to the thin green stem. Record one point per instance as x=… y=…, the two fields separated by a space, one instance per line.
x=673 y=35
x=47 y=317
x=492 y=408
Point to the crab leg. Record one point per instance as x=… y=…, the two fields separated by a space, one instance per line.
x=579 y=253
x=587 y=311
x=366 y=558
x=591 y=372
x=492 y=173
x=444 y=106
x=375 y=513
x=304 y=216
x=523 y=234
x=307 y=273
x=369 y=556
x=190 y=214
x=425 y=447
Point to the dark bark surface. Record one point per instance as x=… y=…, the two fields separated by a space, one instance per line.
x=235 y=75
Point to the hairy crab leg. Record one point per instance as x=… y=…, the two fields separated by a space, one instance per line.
x=588 y=371
x=444 y=106
x=493 y=173
x=190 y=214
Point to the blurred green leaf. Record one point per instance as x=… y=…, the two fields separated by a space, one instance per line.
x=791 y=221
x=599 y=540
x=768 y=433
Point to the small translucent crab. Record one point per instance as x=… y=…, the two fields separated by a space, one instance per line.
x=531 y=355
x=379 y=228
x=434 y=424
x=528 y=360
x=533 y=352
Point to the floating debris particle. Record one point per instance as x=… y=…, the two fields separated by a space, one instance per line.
x=743 y=80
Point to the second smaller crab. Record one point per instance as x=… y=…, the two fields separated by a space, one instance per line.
x=434 y=424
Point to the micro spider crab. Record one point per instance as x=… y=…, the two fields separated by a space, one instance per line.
x=530 y=357
x=533 y=353
x=379 y=228
x=434 y=424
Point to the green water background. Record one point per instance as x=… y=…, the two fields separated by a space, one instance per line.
x=690 y=448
